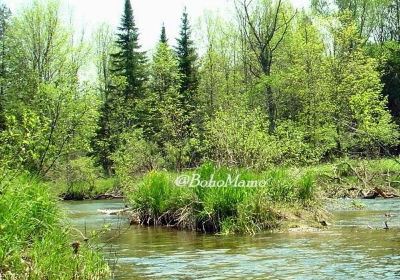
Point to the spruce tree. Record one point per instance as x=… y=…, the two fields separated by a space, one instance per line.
x=186 y=54
x=129 y=61
x=163 y=37
x=123 y=92
x=192 y=116
x=187 y=57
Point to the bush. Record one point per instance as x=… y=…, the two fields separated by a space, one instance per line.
x=79 y=179
x=136 y=156
x=297 y=144
x=79 y=171
x=238 y=137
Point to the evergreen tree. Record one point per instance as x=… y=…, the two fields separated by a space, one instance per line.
x=123 y=89
x=187 y=57
x=129 y=61
x=193 y=115
x=163 y=37
x=110 y=127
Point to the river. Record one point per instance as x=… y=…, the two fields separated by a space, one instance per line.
x=355 y=246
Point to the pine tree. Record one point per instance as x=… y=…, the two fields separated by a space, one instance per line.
x=129 y=61
x=187 y=57
x=163 y=37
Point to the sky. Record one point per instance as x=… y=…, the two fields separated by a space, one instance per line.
x=149 y=14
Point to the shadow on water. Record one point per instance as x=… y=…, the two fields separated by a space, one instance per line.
x=355 y=247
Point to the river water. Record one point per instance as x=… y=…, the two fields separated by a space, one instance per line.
x=355 y=246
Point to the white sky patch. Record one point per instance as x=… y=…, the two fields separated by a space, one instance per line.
x=149 y=14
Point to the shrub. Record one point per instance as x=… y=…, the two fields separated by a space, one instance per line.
x=136 y=156
x=79 y=179
x=80 y=170
x=297 y=144
x=238 y=137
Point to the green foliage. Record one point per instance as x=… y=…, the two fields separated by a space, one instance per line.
x=80 y=179
x=163 y=102
x=367 y=107
x=76 y=171
x=187 y=57
x=129 y=61
x=135 y=157
x=388 y=56
x=33 y=242
x=236 y=137
x=228 y=209
x=167 y=121
x=5 y=15
x=355 y=178
x=49 y=115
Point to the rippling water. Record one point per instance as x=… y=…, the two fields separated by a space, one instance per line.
x=355 y=247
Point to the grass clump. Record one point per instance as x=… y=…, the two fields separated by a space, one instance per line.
x=33 y=242
x=232 y=208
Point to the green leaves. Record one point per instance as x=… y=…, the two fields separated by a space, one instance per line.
x=50 y=116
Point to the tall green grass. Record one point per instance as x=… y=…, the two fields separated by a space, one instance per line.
x=33 y=242
x=158 y=201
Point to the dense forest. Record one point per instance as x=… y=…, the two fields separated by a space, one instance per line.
x=267 y=86
x=272 y=85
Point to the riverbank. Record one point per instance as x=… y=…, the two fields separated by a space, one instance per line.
x=35 y=243
x=99 y=188
x=345 y=178
x=366 y=179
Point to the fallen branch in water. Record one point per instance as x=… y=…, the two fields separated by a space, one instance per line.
x=376 y=192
